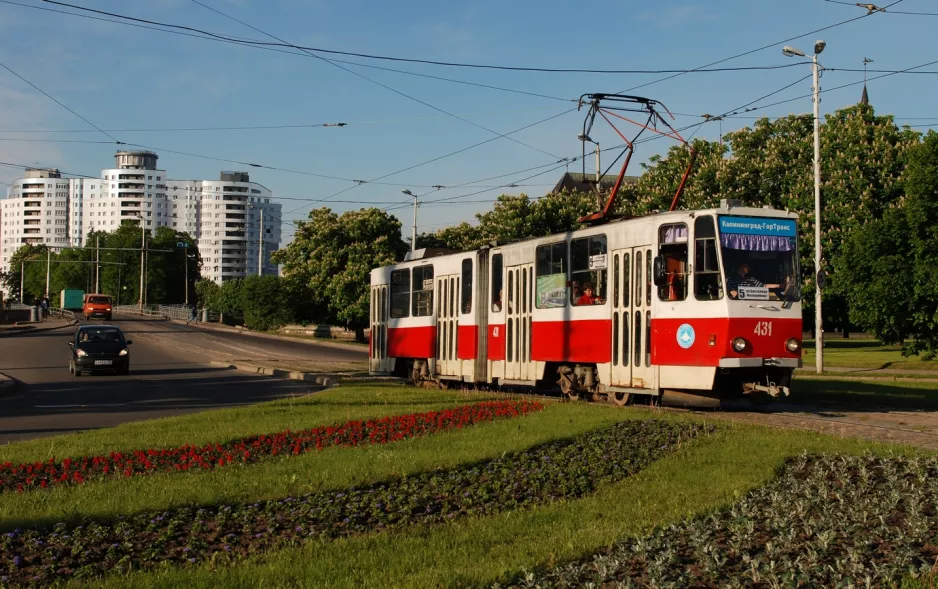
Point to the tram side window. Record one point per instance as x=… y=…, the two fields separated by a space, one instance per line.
x=672 y=246
x=497 y=278
x=423 y=291
x=708 y=284
x=551 y=281
x=400 y=293
x=465 y=302
x=588 y=263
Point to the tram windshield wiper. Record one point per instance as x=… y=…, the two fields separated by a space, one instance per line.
x=766 y=307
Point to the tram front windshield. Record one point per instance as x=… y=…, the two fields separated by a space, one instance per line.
x=760 y=258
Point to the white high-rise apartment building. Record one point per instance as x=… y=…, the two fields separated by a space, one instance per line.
x=223 y=216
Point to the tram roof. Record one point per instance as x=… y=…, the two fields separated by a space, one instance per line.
x=727 y=207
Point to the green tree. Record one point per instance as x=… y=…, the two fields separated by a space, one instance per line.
x=333 y=256
x=34 y=281
x=888 y=270
x=207 y=293
x=267 y=302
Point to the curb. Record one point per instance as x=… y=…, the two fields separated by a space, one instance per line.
x=325 y=380
x=324 y=342
x=15 y=332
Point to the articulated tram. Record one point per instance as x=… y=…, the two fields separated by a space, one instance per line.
x=691 y=307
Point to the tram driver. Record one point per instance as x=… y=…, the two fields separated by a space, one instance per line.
x=743 y=278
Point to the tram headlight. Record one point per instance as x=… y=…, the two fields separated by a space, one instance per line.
x=793 y=345
x=740 y=344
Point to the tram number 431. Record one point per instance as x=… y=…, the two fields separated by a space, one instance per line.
x=763 y=328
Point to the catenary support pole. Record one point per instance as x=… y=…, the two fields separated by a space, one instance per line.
x=818 y=316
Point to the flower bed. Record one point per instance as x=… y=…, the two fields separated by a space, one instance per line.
x=563 y=469
x=829 y=521
x=21 y=477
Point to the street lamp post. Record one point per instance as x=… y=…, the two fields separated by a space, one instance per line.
x=260 y=239
x=819 y=276
x=143 y=248
x=413 y=235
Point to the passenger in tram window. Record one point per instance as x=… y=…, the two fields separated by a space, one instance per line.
x=497 y=303
x=588 y=298
x=575 y=291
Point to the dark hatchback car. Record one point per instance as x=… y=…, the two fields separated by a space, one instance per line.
x=99 y=348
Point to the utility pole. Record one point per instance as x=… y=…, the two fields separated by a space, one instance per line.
x=48 y=266
x=143 y=248
x=599 y=192
x=185 y=258
x=818 y=318
x=819 y=276
x=97 y=264
x=260 y=245
x=413 y=235
x=22 y=274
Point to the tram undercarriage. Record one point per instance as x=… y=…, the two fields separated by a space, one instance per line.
x=732 y=388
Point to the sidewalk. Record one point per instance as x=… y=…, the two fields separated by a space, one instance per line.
x=48 y=324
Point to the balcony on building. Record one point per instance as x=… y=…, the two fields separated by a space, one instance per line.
x=31 y=240
x=139 y=187
x=32 y=203
x=32 y=222
x=135 y=204
x=32 y=213
x=140 y=177
x=32 y=231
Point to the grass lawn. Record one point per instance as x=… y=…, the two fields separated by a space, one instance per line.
x=865 y=353
x=703 y=476
x=706 y=474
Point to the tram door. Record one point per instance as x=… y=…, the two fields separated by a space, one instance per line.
x=520 y=289
x=378 y=359
x=447 y=325
x=631 y=315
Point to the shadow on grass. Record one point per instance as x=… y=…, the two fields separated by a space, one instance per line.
x=863 y=396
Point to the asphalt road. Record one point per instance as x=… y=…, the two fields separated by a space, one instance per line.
x=171 y=374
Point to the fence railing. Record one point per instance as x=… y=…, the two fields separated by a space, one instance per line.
x=62 y=313
x=180 y=312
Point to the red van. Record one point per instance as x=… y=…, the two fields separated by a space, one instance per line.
x=97 y=305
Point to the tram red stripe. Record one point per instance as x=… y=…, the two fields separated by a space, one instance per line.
x=412 y=342
x=572 y=341
x=496 y=347
x=467 y=342
x=665 y=349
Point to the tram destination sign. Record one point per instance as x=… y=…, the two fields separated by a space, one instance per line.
x=758 y=226
x=754 y=293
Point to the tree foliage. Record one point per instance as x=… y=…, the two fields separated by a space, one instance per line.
x=266 y=302
x=333 y=255
x=119 y=268
x=888 y=269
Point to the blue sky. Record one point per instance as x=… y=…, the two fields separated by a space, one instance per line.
x=125 y=78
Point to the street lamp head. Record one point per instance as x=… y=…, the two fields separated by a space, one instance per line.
x=407 y=192
x=792 y=51
x=819 y=46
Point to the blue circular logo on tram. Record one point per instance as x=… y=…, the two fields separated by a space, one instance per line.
x=685 y=336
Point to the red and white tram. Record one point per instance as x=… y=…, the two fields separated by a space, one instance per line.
x=692 y=306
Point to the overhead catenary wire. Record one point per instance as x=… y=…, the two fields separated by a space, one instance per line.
x=381 y=84
x=875 y=8
x=377 y=180
x=282 y=43
x=756 y=50
x=52 y=98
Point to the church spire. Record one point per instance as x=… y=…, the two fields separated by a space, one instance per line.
x=865 y=98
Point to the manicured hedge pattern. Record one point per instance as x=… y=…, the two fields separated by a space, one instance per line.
x=826 y=521
x=563 y=469
x=76 y=471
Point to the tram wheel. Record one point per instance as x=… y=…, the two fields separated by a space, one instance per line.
x=620 y=399
x=568 y=388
